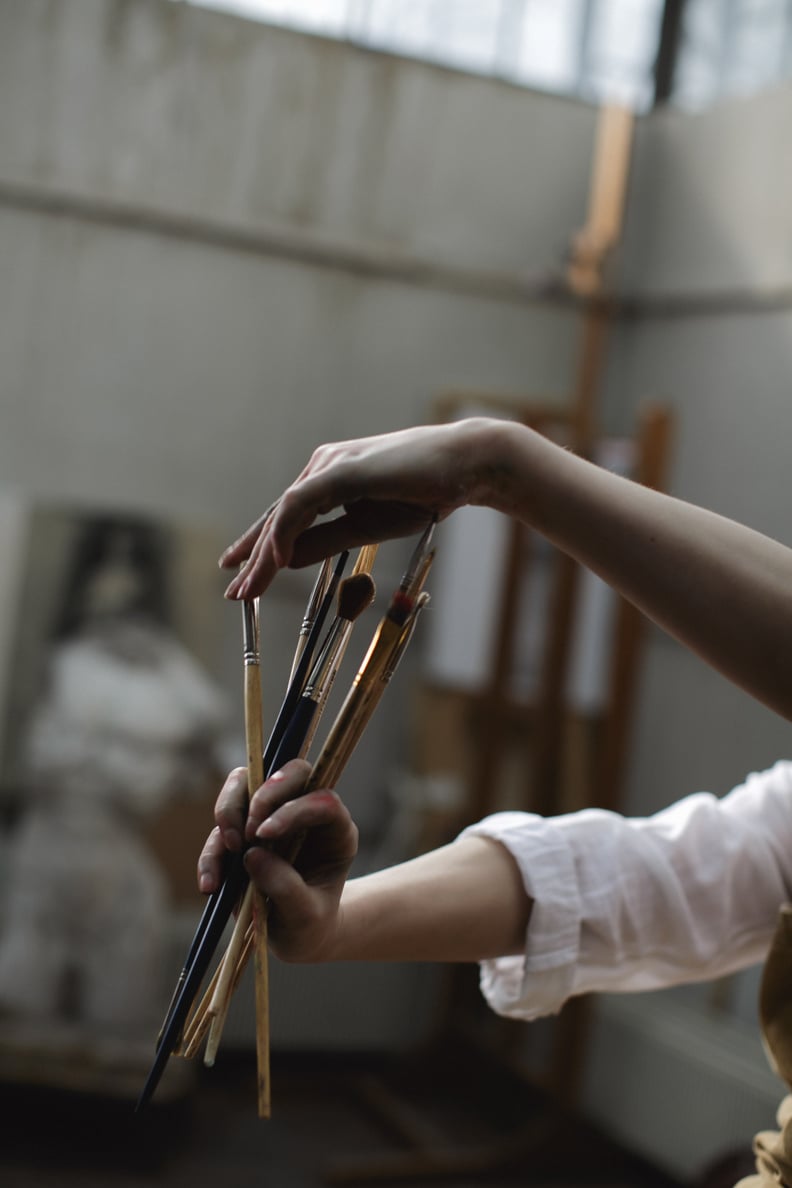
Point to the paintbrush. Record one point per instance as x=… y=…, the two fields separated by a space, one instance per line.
x=309 y=618
x=355 y=594
x=218 y=911
x=297 y=684
x=192 y=976
x=385 y=651
x=313 y=620
x=365 y=694
x=221 y=903
x=255 y=769
x=364 y=562
x=380 y=655
x=353 y=724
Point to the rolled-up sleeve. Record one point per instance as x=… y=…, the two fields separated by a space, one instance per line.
x=628 y=904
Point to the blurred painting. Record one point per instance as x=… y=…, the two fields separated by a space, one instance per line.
x=113 y=720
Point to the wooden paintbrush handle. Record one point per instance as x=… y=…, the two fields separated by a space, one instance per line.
x=224 y=988
x=255 y=758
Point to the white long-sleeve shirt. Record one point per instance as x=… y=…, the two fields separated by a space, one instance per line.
x=627 y=904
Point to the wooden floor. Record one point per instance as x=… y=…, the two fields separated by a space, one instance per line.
x=334 y=1121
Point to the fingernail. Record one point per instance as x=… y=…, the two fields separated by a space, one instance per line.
x=276 y=775
x=205 y=884
x=232 y=839
x=266 y=828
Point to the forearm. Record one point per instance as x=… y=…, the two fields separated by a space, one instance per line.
x=722 y=589
x=463 y=902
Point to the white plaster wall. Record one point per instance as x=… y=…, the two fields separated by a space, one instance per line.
x=710 y=198
x=197 y=111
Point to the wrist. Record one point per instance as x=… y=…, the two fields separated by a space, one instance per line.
x=487 y=460
x=510 y=460
x=348 y=941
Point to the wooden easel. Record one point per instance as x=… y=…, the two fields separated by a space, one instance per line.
x=489 y=715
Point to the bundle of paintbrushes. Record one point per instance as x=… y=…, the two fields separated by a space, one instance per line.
x=191 y=1021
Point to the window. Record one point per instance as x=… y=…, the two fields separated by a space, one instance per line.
x=594 y=49
x=598 y=50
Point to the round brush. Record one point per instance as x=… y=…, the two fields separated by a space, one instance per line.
x=355 y=594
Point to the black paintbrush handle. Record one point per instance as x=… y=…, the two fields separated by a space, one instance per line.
x=203 y=950
x=296 y=685
x=295 y=733
x=203 y=924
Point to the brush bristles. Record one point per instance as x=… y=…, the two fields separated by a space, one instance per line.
x=355 y=594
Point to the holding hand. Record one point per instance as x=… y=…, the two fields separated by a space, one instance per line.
x=304 y=897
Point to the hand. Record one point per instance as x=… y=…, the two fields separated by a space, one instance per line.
x=389 y=486
x=304 y=896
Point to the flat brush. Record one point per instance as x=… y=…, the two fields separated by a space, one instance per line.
x=364 y=562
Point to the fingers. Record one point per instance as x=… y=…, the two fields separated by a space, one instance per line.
x=330 y=479
x=282 y=786
x=230 y=811
x=303 y=897
x=210 y=863
x=367 y=521
x=240 y=549
x=257 y=550
x=257 y=555
x=267 y=546
x=232 y=815
x=317 y=810
x=231 y=808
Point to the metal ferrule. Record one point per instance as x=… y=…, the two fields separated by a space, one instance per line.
x=416 y=560
x=250 y=642
x=405 y=637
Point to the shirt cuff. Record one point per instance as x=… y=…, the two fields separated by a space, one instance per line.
x=538 y=982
